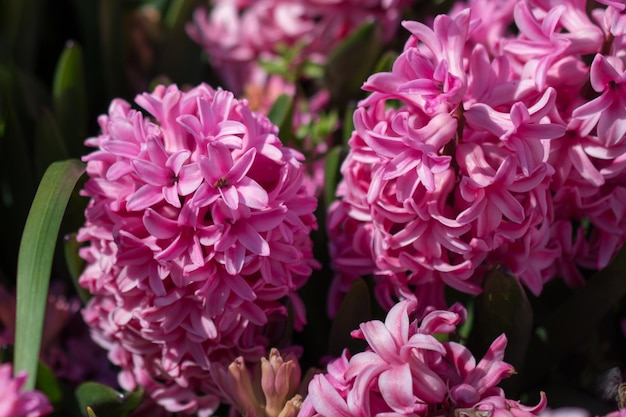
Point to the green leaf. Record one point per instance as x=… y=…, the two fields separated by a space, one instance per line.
x=35 y=260
x=502 y=308
x=48 y=383
x=280 y=109
x=20 y=23
x=569 y=326
x=276 y=66
x=281 y=114
x=103 y=401
x=177 y=12
x=312 y=70
x=113 y=46
x=49 y=146
x=348 y=124
x=385 y=63
x=17 y=185
x=70 y=97
x=322 y=129
x=331 y=174
x=354 y=310
x=351 y=62
x=180 y=57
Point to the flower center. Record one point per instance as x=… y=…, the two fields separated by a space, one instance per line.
x=220 y=183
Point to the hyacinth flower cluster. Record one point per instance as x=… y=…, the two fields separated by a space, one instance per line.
x=407 y=371
x=198 y=238
x=487 y=145
x=264 y=48
x=236 y=35
x=14 y=401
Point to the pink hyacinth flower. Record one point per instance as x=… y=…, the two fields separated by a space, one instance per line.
x=14 y=402
x=237 y=35
x=607 y=112
x=198 y=240
x=406 y=371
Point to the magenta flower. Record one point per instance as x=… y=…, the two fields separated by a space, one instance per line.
x=477 y=143
x=406 y=371
x=444 y=180
x=607 y=112
x=198 y=230
x=14 y=402
x=235 y=34
x=520 y=129
x=429 y=74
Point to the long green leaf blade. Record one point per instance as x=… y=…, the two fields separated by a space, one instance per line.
x=70 y=98
x=332 y=174
x=354 y=310
x=35 y=260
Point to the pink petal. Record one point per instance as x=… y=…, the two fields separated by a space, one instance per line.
x=240 y=287
x=508 y=205
x=396 y=387
x=159 y=226
x=230 y=195
x=241 y=166
x=602 y=73
x=252 y=240
x=397 y=321
x=380 y=340
x=401 y=164
x=252 y=194
x=189 y=179
x=151 y=173
x=176 y=161
x=427 y=384
x=171 y=196
x=144 y=197
x=266 y=220
x=421 y=341
x=326 y=400
x=234 y=258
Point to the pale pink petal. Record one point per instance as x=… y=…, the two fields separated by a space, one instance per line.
x=396 y=387
x=146 y=196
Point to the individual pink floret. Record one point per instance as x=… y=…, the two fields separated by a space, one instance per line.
x=14 y=402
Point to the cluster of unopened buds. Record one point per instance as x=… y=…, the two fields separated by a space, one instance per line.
x=272 y=394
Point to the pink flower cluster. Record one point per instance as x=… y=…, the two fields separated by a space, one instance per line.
x=17 y=403
x=484 y=146
x=198 y=230
x=406 y=371
x=237 y=33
